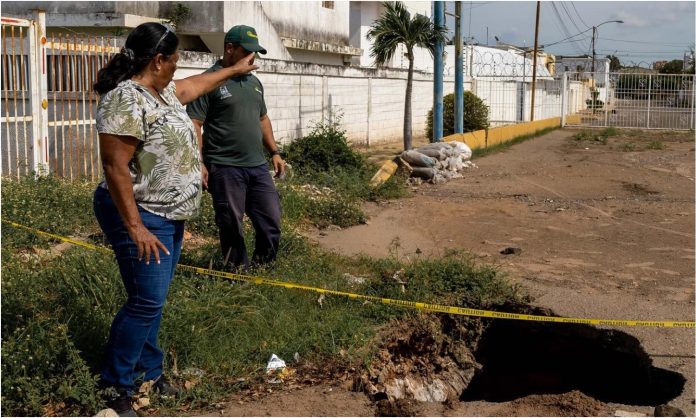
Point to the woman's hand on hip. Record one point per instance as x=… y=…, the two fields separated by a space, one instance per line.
x=148 y=244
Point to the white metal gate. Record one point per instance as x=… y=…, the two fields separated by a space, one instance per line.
x=48 y=104
x=23 y=139
x=631 y=100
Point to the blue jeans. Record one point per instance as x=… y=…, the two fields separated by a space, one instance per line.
x=250 y=190
x=132 y=350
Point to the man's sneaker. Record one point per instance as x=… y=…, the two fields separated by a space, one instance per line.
x=123 y=405
x=164 y=388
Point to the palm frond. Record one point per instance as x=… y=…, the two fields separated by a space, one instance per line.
x=396 y=26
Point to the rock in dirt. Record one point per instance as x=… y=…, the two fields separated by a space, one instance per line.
x=511 y=250
x=419 y=359
x=622 y=413
x=396 y=408
x=106 y=413
x=668 y=411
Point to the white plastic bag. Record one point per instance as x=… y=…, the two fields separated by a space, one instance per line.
x=275 y=363
x=463 y=149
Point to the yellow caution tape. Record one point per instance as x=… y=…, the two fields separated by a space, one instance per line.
x=396 y=302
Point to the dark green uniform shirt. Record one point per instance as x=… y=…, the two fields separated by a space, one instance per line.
x=231 y=129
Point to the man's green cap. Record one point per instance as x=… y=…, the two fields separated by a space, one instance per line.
x=246 y=37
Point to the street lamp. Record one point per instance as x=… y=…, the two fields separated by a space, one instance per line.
x=594 y=32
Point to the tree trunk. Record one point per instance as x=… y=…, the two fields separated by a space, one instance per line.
x=408 y=137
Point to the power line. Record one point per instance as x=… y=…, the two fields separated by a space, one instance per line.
x=565 y=9
x=643 y=42
x=576 y=12
x=566 y=39
x=564 y=28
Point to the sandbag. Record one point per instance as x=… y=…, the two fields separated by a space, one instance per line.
x=424 y=173
x=436 y=145
x=417 y=159
x=464 y=149
x=436 y=153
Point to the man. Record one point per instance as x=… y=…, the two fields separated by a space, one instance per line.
x=236 y=128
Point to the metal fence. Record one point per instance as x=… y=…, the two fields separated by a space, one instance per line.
x=636 y=100
x=48 y=105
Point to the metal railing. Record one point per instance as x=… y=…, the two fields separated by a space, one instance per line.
x=637 y=100
x=48 y=105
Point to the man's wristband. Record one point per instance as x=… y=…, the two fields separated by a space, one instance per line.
x=275 y=152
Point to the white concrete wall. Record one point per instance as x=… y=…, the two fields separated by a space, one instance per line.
x=370 y=101
x=309 y=20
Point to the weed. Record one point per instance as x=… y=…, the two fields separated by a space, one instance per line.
x=610 y=131
x=628 y=147
x=582 y=136
x=656 y=145
x=602 y=138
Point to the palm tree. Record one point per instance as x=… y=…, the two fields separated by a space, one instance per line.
x=396 y=27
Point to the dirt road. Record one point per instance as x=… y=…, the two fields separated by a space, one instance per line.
x=605 y=231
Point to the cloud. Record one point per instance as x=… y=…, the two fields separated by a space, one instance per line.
x=650 y=14
x=631 y=20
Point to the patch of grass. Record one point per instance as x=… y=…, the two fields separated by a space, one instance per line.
x=602 y=138
x=628 y=147
x=583 y=136
x=656 y=145
x=481 y=152
x=610 y=131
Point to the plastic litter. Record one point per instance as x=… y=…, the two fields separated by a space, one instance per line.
x=463 y=149
x=275 y=363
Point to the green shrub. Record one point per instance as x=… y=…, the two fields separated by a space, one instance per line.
x=325 y=148
x=324 y=159
x=475 y=115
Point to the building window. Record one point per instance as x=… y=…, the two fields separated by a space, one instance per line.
x=327 y=4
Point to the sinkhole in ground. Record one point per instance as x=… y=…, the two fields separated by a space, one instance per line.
x=524 y=358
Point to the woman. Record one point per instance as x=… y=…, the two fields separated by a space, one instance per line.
x=151 y=163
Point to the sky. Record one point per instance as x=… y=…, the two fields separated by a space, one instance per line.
x=652 y=31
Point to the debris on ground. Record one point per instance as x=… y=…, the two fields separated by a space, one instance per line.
x=511 y=250
x=420 y=360
x=275 y=363
x=108 y=412
x=354 y=279
x=437 y=162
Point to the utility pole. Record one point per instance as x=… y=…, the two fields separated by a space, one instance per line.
x=534 y=61
x=458 y=70
x=439 y=19
x=594 y=31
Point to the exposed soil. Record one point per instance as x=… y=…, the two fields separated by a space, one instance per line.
x=605 y=231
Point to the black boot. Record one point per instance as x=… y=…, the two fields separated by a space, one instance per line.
x=164 y=388
x=122 y=403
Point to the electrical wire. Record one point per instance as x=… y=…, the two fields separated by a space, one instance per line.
x=564 y=28
x=643 y=42
x=576 y=12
